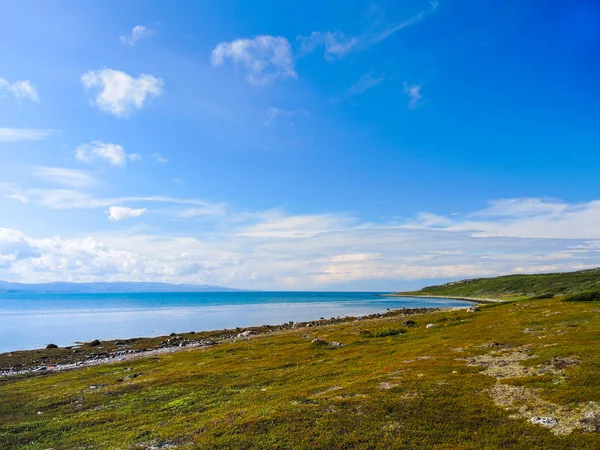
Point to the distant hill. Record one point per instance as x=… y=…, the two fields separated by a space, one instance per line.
x=538 y=285
x=107 y=287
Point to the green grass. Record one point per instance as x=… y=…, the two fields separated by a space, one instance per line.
x=279 y=391
x=520 y=286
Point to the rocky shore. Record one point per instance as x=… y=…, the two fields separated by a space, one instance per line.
x=93 y=353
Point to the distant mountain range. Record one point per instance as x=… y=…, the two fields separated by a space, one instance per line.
x=107 y=287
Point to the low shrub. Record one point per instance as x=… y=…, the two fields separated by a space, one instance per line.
x=589 y=296
x=389 y=332
x=541 y=296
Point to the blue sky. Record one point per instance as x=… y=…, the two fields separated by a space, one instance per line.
x=298 y=145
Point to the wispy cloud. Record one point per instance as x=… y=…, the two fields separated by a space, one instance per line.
x=138 y=32
x=366 y=82
x=20 y=198
x=158 y=158
x=275 y=114
x=338 y=45
x=265 y=59
x=78 y=199
x=112 y=154
x=24 y=134
x=335 y=43
x=63 y=176
x=118 y=93
x=22 y=89
x=413 y=91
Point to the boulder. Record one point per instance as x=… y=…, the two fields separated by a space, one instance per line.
x=94 y=343
x=430 y=325
x=51 y=346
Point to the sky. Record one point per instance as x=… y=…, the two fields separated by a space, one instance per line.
x=343 y=145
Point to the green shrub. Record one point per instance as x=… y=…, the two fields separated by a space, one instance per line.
x=389 y=332
x=589 y=296
x=541 y=296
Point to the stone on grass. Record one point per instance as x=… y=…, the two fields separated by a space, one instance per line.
x=51 y=346
x=548 y=422
x=430 y=325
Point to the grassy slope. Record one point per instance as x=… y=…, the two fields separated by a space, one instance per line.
x=281 y=391
x=520 y=285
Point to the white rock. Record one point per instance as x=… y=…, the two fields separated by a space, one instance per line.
x=430 y=325
x=548 y=422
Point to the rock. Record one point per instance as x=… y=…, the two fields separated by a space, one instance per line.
x=474 y=308
x=318 y=342
x=409 y=323
x=548 y=422
x=94 y=343
x=430 y=325
x=246 y=334
x=336 y=344
x=51 y=346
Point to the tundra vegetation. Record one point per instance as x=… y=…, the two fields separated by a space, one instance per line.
x=524 y=373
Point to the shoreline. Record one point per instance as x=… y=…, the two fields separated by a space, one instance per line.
x=447 y=297
x=45 y=361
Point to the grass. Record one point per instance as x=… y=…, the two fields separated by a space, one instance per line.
x=428 y=388
x=534 y=286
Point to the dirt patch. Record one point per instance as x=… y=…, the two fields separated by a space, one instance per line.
x=526 y=402
x=504 y=363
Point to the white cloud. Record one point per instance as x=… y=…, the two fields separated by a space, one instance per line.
x=355 y=257
x=366 y=82
x=22 y=89
x=338 y=45
x=274 y=114
x=113 y=154
x=66 y=177
x=119 y=93
x=137 y=33
x=24 y=134
x=275 y=250
x=526 y=218
x=20 y=198
x=117 y=213
x=413 y=92
x=199 y=211
x=264 y=58
x=75 y=199
x=158 y=158
x=275 y=224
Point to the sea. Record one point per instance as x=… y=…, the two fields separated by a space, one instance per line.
x=33 y=320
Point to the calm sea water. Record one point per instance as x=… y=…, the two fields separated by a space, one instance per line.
x=32 y=320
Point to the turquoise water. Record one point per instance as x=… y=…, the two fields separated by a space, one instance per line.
x=32 y=320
